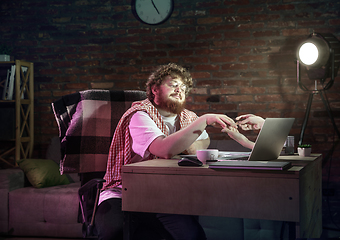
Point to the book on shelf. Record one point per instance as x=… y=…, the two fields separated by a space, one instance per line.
x=5 y=85
x=8 y=91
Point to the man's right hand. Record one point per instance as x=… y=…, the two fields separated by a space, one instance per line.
x=220 y=121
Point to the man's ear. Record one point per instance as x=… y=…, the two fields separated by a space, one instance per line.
x=154 y=89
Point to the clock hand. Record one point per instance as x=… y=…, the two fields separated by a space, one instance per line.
x=154 y=6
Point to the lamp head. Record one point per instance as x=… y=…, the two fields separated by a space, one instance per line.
x=318 y=53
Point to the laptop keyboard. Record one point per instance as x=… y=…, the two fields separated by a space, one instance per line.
x=235 y=158
x=241 y=158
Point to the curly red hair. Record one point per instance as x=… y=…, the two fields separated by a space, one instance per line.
x=156 y=78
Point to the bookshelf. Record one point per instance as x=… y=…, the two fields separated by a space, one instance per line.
x=16 y=112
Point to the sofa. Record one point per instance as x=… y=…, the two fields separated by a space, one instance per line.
x=31 y=211
x=37 y=201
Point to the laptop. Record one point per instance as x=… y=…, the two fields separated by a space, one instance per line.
x=254 y=165
x=268 y=146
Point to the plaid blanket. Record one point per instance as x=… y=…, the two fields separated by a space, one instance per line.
x=87 y=121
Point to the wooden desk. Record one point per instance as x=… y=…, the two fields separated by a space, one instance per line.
x=161 y=186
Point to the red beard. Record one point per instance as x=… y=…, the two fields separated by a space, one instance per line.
x=170 y=105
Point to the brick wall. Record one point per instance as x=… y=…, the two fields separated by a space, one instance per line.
x=241 y=55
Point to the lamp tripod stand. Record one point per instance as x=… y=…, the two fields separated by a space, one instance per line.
x=310 y=100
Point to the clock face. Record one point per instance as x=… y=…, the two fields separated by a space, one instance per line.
x=152 y=12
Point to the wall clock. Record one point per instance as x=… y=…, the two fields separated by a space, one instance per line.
x=152 y=12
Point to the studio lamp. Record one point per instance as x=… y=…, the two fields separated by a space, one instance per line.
x=320 y=55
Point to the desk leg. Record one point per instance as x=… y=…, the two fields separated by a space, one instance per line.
x=127 y=226
x=293 y=230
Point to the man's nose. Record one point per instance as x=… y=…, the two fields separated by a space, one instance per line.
x=179 y=88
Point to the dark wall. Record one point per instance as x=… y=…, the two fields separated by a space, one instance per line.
x=241 y=54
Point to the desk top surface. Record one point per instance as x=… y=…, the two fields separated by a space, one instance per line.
x=170 y=166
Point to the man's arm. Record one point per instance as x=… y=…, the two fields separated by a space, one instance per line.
x=197 y=145
x=167 y=147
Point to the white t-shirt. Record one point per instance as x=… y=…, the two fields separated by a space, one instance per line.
x=144 y=131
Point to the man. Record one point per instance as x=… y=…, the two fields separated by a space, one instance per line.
x=159 y=126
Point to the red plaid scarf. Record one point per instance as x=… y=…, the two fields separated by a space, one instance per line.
x=121 y=149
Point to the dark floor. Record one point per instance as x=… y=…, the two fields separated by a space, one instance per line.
x=331 y=211
x=330 y=217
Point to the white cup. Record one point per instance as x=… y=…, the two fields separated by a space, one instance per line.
x=205 y=155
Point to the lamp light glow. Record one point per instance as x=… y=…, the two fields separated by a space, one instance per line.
x=320 y=54
x=308 y=53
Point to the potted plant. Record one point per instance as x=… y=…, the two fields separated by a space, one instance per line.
x=304 y=150
x=5 y=52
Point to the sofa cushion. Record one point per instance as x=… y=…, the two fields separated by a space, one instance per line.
x=42 y=172
x=51 y=211
x=11 y=179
